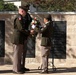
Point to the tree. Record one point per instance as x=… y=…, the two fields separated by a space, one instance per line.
x=7 y=7
x=54 y=5
x=1 y=5
x=10 y=7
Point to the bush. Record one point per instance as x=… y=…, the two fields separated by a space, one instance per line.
x=1 y=5
x=10 y=7
x=54 y=5
x=7 y=7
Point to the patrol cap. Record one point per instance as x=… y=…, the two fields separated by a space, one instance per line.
x=27 y=6
x=48 y=17
x=24 y=8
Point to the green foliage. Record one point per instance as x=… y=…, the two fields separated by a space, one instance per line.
x=10 y=7
x=7 y=7
x=58 y=5
x=1 y=5
x=54 y=5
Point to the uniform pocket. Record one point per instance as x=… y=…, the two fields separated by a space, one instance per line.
x=44 y=41
x=15 y=36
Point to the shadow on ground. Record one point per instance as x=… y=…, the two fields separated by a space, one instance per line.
x=65 y=70
x=58 y=70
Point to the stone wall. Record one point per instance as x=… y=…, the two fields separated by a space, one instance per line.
x=69 y=17
x=8 y=18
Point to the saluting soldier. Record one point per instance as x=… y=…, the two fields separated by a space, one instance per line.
x=20 y=35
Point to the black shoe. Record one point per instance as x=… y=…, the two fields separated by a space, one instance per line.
x=44 y=72
x=25 y=69
x=20 y=72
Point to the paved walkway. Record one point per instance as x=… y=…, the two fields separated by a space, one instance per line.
x=7 y=70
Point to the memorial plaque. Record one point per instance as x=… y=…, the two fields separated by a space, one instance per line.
x=59 y=40
x=2 y=38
